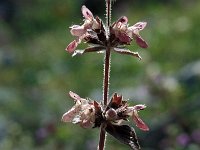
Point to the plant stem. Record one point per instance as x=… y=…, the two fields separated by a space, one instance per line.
x=106 y=76
x=102 y=138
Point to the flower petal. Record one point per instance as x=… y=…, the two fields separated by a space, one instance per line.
x=72 y=46
x=77 y=30
x=139 y=107
x=141 y=42
x=123 y=37
x=86 y=124
x=69 y=116
x=74 y=96
x=139 y=123
x=123 y=20
x=139 y=25
x=87 y=13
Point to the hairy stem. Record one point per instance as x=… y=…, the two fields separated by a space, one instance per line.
x=102 y=138
x=105 y=94
x=108 y=16
x=106 y=76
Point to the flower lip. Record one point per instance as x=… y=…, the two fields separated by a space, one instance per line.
x=138 y=26
x=72 y=46
x=77 y=30
x=139 y=107
x=87 y=13
x=140 y=41
x=123 y=20
x=139 y=123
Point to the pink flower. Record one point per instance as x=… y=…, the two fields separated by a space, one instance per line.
x=83 y=112
x=135 y=33
x=90 y=114
x=126 y=34
x=118 y=111
x=81 y=31
x=133 y=112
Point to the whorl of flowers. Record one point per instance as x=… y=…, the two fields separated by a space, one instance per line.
x=90 y=114
x=110 y=117
x=94 y=33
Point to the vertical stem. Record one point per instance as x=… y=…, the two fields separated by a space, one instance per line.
x=102 y=138
x=105 y=95
x=106 y=73
x=106 y=76
x=108 y=16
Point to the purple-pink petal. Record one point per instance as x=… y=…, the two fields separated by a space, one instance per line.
x=69 y=116
x=77 y=30
x=72 y=46
x=139 y=107
x=140 y=25
x=87 y=13
x=139 y=123
x=86 y=123
x=74 y=96
x=141 y=42
x=123 y=37
x=123 y=20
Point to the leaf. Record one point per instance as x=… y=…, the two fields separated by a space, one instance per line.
x=127 y=52
x=124 y=134
x=87 y=50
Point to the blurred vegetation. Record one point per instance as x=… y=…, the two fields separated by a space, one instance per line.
x=36 y=74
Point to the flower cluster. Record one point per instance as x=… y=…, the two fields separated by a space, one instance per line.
x=94 y=32
x=90 y=114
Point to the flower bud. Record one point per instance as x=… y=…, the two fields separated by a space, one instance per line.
x=111 y=114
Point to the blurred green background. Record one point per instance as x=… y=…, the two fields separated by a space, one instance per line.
x=36 y=74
